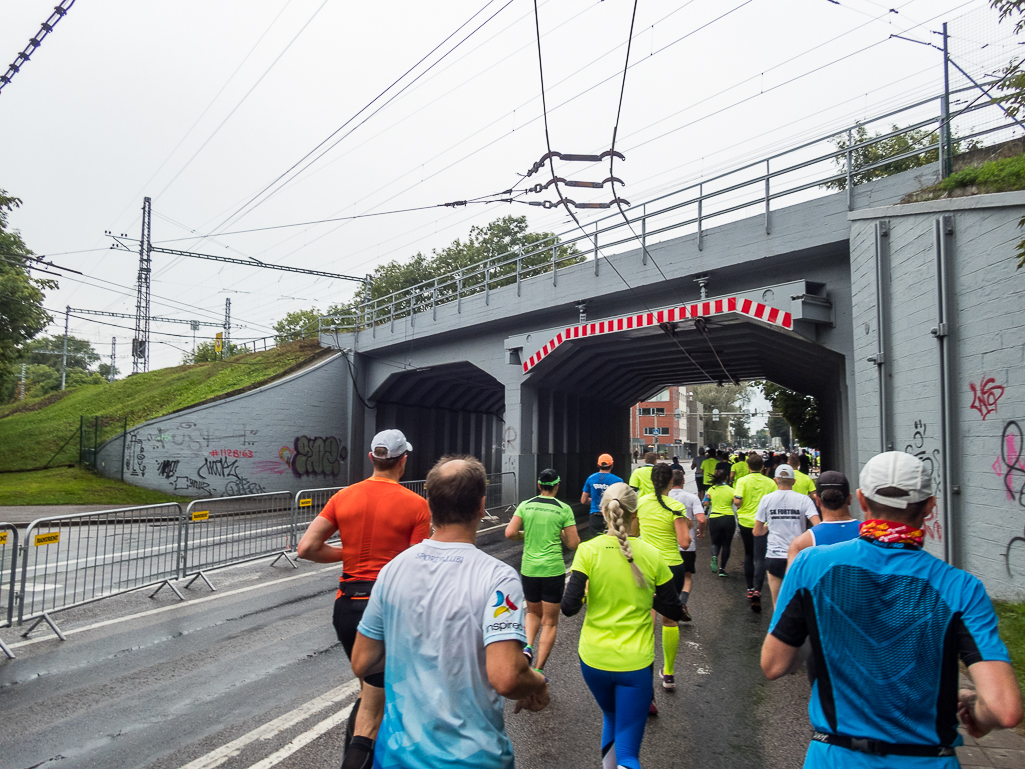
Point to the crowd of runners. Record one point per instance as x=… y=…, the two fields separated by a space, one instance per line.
x=439 y=632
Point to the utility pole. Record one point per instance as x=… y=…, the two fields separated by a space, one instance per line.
x=113 y=359
x=64 y=355
x=22 y=382
x=140 y=344
x=226 y=351
x=195 y=328
x=947 y=159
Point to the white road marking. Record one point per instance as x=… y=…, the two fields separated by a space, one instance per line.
x=273 y=728
x=173 y=607
x=304 y=739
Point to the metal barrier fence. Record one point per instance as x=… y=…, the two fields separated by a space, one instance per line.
x=70 y=560
x=8 y=566
x=224 y=531
x=308 y=504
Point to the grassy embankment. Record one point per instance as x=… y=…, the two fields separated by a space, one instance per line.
x=1012 y=631
x=1005 y=175
x=32 y=431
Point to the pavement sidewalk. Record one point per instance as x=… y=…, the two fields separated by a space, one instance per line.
x=1004 y=749
x=23 y=515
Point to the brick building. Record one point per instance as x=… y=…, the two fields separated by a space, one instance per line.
x=675 y=415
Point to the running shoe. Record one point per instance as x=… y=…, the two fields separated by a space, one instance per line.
x=652 y=709
x=668 y=681
x=686 y=614
x=715 y=564
x=756 y=601
x=529 y=654
x=722 y=572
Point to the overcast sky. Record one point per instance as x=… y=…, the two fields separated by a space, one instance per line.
x=200 y=104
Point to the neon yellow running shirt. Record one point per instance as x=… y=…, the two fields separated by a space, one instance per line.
x=740 y=469
x=751 y=488
x=618 y=632
x=640 y=479
x=708 y=468
x=802 y=483
x=721 y=497
x=658 y=525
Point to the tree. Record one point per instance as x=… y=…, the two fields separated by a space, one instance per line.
x=1012 y=84
x=481 y=250
x=801 y=412
x=298 y=324
x=725 y=398
x=206 y=352
x=48 y=351
x=740 y=429
x=762 y=438
x=895 y=146
x=777 y=427
x=21 y=296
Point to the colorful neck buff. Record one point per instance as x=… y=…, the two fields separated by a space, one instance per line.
x=890 y=533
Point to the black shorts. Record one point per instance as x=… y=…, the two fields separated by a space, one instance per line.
x=777 y=567
x=348 y=613
x=678 y=570
x=547 y=589
x=689 y=557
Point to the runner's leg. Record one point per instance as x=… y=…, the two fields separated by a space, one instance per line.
x=633 y=692
x=774 y=585
x=549 y=627
x=729 y=526
x=603 y=689
x=749 y=556
x=760 y=547
x=535 y=611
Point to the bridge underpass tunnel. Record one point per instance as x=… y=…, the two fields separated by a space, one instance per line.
x=451 y=409
x=582 y=390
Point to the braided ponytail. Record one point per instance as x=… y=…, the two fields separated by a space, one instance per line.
x=618 y=506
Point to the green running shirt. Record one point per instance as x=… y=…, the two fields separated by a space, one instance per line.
x=802 y=483
x=751 y=488
x=618 y=632
x=740 y=469
x=658 y=525
x=640 y=479
x=544 y=518
x=708 y=468
x=721 y=497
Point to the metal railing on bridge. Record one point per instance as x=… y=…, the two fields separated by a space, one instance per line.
x=837 y=161
x=71 y=560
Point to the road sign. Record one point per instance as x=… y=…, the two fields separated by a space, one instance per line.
x=656 y=432
x=219 y=341
x=715 y=415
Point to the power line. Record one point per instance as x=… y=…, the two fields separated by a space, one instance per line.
x=45 y=29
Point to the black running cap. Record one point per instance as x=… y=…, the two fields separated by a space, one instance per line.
x=831 y=479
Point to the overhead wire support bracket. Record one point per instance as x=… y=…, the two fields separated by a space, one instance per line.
x=120 y=246
x=539 y=165
x=44 y=29
x=546 y=204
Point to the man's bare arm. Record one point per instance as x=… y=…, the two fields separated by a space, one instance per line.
x=509 y=672
x=367 y=656
x=799 y=544
x=996 y=701
x=780 y=659
x=313 y=545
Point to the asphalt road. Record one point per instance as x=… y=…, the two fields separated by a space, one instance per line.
x=251 y=676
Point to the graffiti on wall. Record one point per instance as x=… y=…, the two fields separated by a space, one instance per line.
x=509 y=440
x=135 y=456
x=925 y=448
x=985 y=396
x=317 y=456
x=1010 y=466
x=279 y=466
x=168 y=468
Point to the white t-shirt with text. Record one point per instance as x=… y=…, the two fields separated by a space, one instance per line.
x=784 y=512
x=693 y=505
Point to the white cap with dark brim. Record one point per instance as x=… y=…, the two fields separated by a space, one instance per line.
x=899 y=470
x=394 y=443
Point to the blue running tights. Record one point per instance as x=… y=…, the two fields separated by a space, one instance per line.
x=623 y=699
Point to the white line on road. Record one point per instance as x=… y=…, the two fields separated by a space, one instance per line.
x=304 y=739
x=273 y=728
x=162 y=609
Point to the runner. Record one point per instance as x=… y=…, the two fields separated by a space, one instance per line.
x=718 y=504
x=739 y=469
x=803 y=484
x=782 y=515
x=640 y=478
x=748 y=493
x=833 y=492
x=664 y=526
x=708 y=470
x=543 y=524
x=376 y=519
x=445 y=624
x=624 y=578
x=595 y=484
x=696 y=521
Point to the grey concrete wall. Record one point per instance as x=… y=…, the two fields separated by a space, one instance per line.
x=984 y=527
x=289 y=435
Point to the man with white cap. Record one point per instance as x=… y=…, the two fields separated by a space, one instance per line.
x=887 y=624
x=782 y=515
x=376 y=519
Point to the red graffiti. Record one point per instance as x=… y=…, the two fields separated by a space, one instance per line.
x=985 y=396
x=234 y=453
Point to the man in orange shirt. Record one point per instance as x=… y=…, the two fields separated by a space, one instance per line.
x=376 y=519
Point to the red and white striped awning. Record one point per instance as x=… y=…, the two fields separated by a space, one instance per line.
x=730 y=304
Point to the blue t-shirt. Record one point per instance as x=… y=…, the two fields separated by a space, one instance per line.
x=833 y=532
x=437 y=606
x=595 y=485
x=887 y=624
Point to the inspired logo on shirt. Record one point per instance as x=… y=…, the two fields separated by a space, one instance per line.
x=503 y=604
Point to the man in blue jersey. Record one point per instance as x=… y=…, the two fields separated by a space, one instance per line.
x=594 y=487
x=833 y=495
x=887 y=623
x=445 y=624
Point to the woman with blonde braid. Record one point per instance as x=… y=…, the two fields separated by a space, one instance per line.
x=624 y=578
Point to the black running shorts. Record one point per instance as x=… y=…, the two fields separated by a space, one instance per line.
x=777 y=567
x=547 y=589
x=679 y=570
x=689 y=557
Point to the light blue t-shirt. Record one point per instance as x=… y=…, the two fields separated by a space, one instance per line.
x=595 y=485
x=437 y=606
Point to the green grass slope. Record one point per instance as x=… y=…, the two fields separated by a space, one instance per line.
x=74 y=486
x=32 y=431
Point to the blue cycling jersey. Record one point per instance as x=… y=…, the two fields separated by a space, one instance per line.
x=887 y=624
x=832 y=532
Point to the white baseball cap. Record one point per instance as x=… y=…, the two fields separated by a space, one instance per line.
x=899 y=470
x=785 y=471
x=394 y=443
